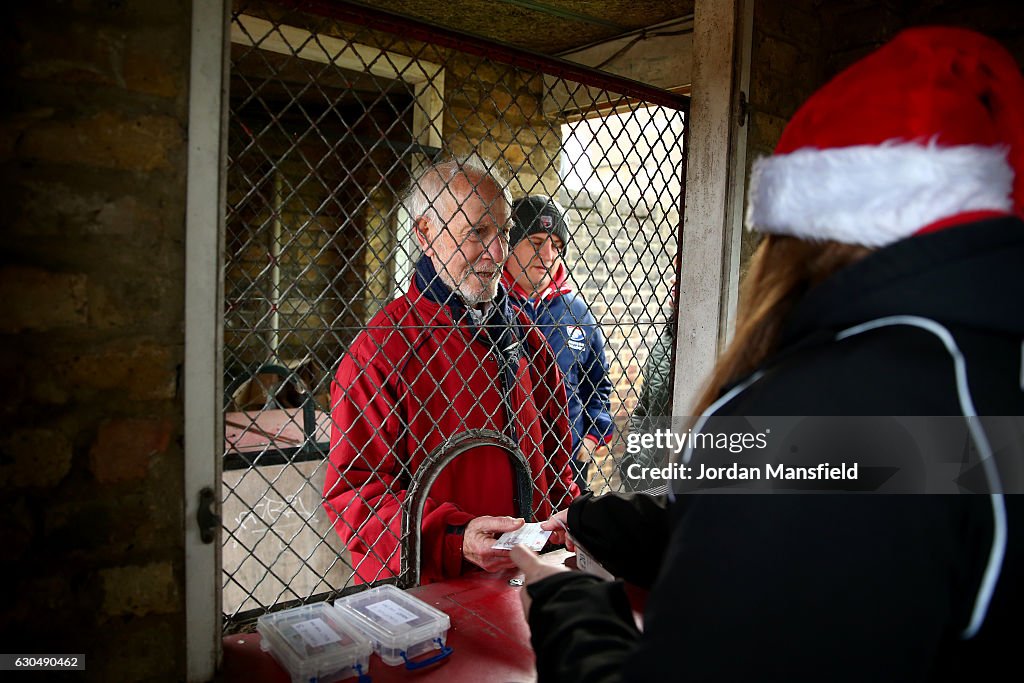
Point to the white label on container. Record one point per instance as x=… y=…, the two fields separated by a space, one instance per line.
x=391 y=612
x=591 y=566
x=316 y=633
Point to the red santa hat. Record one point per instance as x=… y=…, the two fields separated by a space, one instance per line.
x=925 y=129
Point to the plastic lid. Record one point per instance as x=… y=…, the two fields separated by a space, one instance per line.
x=312 y=640
x=393 y=617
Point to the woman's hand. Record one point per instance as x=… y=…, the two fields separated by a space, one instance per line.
x=533 y=569
x=556 y=524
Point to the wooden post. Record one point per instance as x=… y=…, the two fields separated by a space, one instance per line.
x=714 y=192
x=204 y=329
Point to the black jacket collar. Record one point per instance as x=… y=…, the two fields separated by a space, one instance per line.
x=968 y=275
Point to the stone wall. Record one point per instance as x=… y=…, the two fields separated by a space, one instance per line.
x=92 y=157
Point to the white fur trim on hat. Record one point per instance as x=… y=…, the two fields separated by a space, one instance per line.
x=874 y=195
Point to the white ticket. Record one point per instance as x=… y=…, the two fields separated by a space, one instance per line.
x=530 y=535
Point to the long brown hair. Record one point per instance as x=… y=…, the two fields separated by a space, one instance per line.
x=782 y=270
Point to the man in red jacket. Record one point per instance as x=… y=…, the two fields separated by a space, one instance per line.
x=450 y=355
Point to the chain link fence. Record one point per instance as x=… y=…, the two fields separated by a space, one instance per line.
x=331 y=116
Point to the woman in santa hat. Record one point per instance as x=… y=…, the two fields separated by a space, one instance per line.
x=890 y=282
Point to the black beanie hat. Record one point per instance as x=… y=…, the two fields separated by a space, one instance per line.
x=537 y=214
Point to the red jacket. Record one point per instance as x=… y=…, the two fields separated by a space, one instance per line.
x=412 y=379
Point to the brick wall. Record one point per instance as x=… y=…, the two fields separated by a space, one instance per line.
x=92 y=157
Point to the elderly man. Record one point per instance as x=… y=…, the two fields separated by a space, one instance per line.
x=450 y=355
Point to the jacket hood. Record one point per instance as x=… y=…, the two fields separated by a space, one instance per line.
x=557 y=287
x=969 y=275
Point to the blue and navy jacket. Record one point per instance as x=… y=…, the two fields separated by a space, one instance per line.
x=578 y=345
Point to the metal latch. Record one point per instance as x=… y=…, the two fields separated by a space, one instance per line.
x=206 y=517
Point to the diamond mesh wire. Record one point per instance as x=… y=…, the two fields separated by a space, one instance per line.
x=328 y=123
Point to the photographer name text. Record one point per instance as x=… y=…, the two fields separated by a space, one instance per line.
x=738 y=472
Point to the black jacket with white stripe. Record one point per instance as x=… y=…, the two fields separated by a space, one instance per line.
x=828 y=587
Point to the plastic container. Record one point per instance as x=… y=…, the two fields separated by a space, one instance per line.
x=315 y=644
x=586 y=562
x=400 y=626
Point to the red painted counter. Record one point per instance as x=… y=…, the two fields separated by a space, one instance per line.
x=488 y=634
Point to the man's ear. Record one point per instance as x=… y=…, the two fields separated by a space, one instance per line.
x=421 y=228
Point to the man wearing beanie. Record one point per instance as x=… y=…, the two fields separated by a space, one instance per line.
x=884 y=311
x=536 y=278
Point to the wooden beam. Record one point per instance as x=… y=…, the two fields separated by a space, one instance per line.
x=426 y=77
x=661 y=61
x=712 y=223
x=204 y=328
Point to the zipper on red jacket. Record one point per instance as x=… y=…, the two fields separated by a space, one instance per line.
x=508 y=364
x=506 y=374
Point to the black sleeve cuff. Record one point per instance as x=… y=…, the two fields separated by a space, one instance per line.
x=574 y=516
x=581 y=628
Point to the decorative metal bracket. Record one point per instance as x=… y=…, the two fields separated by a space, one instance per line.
x=427 y=474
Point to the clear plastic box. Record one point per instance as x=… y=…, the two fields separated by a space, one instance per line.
x=586 y=562
x=314 y=643
x=401 y=626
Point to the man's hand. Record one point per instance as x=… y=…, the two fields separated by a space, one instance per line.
x=533 y=570
x=481 y=532
x=587 y=451
x=594 y=454
x=556 y=524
